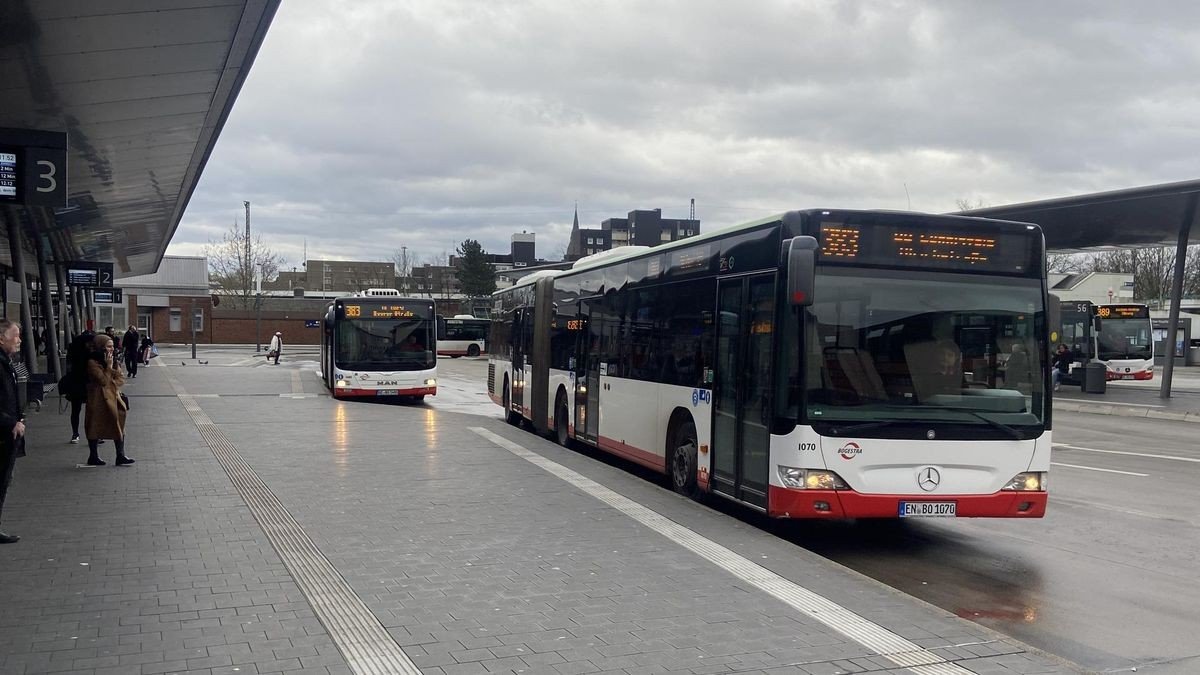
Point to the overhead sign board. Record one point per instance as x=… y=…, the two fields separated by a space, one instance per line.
x=90 y=274
x=107 y=296
x=33 y=167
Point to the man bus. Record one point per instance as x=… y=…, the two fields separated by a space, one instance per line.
x=818 y=364
x=378 y=344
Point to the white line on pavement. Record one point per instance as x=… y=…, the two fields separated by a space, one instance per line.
x=1093 y=468
x=884 y=642
x=1131 y=454
x=1130 y=405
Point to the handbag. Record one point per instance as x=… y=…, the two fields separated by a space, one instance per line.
x=125 y=400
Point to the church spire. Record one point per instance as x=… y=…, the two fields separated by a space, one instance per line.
x=574 y=245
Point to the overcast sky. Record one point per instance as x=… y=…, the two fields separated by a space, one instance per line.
x=367 y=125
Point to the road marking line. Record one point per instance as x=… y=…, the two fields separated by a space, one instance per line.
x=1093 y=468
x=891 y=646
x=1086 y=400
x=297 y=385
x=1126 y=452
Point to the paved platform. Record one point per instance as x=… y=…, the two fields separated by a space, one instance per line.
x=1139 y=399
x=269 y=529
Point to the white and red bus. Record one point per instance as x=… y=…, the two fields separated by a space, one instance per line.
x=378 y=344
x=1121 y=336
x=462 y=335
x=818 y=364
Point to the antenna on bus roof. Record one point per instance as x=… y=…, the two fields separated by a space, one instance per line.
x=906 y=196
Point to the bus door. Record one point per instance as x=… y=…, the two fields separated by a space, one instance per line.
x=520 y=348
x=587 y=379
x=742 y=387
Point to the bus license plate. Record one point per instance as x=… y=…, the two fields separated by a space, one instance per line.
x=928 y=509
x=388 y=392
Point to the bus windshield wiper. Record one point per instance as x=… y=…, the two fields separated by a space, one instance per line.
x=840 y=428
x=992 y=423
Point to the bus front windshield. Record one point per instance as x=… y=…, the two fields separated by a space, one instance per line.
x=923 y=350
x=1124 y=339
x=385 y=344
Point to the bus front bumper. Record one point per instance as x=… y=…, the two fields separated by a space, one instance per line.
x=789 y=503
x=347 y=392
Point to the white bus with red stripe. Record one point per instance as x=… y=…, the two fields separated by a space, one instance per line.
x=379 y=345
x=818 y=364
x=462 y=335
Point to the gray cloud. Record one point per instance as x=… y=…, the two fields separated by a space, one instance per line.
x=366 y=126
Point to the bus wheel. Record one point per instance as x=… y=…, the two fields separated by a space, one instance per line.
x=510 y=416
x=473 y=350
x=561 y=423
x=683 y=459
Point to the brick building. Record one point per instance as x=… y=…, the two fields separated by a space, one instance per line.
x=639 y=228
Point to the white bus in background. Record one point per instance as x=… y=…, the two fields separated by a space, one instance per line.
x=818 y=364
x=1121 y=336
x=378 y=344
x=462 y=335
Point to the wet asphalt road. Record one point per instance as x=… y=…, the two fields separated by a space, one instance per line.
x=1110 y=579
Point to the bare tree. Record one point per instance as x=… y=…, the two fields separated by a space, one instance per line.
x=234 y=272
x=404 y=260
x=1065 y=263
x=965 y=204
x=1152 y=268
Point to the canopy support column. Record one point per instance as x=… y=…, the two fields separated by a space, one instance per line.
x=1185 y=230
x=51 y=329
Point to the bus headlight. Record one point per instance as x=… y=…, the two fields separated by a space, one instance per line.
x=1031 y=481
x=342 y=383
x=811 y=479
x=431 y=382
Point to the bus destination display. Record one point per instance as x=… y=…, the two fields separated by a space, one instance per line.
x=379 y=312
x=1123 y=311
x=898 y=245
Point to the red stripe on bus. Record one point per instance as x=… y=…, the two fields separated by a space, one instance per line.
x=633 y=454
x=789 y=503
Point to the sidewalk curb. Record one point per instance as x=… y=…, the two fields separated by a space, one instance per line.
x=1127 y=411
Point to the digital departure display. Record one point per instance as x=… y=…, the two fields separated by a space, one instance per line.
x=1123 y=311
x=8 y=176
x=83 y=277
x=923 y=246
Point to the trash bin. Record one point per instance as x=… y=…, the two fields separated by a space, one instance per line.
x=1095 y=378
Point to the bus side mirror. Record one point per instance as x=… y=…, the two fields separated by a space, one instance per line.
x=1097 y=324
x=801 y=270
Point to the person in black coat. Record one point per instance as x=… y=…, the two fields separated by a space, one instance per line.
x=12 y=418
x=130 y=347
x=74 y=384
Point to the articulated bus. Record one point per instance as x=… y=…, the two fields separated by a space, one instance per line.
x=1119 y=336
x=462 y=335
x=379 y=344
x=818 y=364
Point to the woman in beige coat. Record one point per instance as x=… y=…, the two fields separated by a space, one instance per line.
x=106 y=408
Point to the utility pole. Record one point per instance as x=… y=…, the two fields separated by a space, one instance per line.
x=193 y=328
x=248 y=265
x=258 y=314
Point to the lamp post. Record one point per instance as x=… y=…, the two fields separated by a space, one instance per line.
x=193 y=328
x=258 y=310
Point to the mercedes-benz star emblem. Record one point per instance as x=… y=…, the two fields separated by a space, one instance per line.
x=930 y=434
x=929 y=479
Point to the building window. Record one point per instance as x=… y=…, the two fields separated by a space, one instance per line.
x=176 y=320
x=590 y=241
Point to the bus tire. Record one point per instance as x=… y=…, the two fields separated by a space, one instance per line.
x=473 y=350
x=510 y=416
x=681 y=458
x=562 y=428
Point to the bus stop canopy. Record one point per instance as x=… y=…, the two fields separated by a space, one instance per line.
x=1154 y=215
x=1135 y=217
x=142 y=89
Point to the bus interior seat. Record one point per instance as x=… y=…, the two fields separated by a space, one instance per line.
x=922 y=359
x=853 y=375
